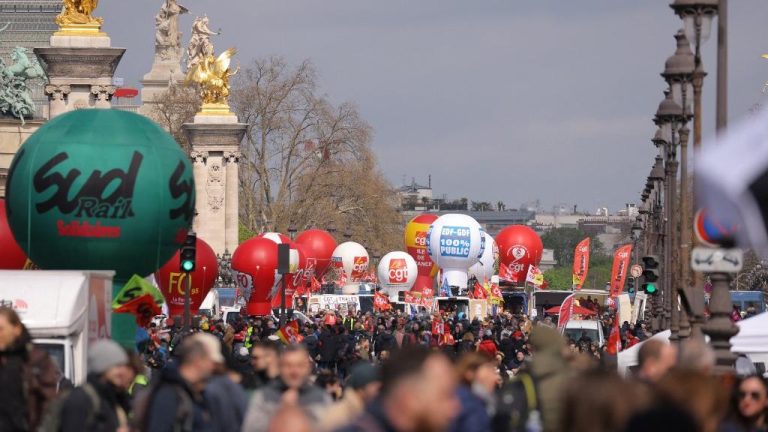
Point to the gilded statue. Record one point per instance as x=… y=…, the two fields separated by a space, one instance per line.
x=78 y=12
x=212 y=75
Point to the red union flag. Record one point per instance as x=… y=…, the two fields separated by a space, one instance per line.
x=398 y=271
x=359 y=268
x=566 y=310
x=620 y=266
x=581 y=263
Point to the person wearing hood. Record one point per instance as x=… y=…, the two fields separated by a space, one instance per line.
x=478 y=378
x=28 y=377
x=533 y=400
x=103 y=402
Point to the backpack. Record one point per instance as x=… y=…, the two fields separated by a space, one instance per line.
x=518 y=406
x=185 y=412
x=52 y=419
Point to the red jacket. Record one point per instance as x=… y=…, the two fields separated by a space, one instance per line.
x=488 y=346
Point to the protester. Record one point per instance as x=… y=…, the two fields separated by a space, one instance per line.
x=654 y=359
x=700 y=395
x=265 y=358
x=487 y=345
x=417 y=393
x=225 y=399
x=295 y=370
x=28 y=377
x=750 y=406
x=478 y=379
x=175 y=401
x=363 y=387
x=103 y=402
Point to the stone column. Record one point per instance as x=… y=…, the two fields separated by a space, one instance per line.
x=57 y=97
x=103 y=95
x=199 y=159
x=231 y=201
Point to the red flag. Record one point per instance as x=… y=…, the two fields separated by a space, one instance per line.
x=614 y=340
x=290 y=333
x=480 y=293
x=381 y=302
x=506 y=274
x=619 y=272
x=437 y=327
x=581 y=263
x=144 y=308
x=566 y=310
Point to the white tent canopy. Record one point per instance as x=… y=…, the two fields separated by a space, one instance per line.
x=752 y=336
x=628 y=357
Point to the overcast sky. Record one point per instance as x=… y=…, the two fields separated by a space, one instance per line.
x=507 y=100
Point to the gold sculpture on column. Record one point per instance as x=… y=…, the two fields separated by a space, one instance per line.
x=212 y=75
x=76 y=19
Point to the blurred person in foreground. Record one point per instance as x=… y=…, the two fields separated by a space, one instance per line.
x=533 y=400
x=417 y=394
x=293 y=383
x=654 y=359
x=28 y=377
x=265 y=359
x=224 y=397
x=700 y=395
x=478 y=379
x=363 y=385
x=103 y=402
x=175 y=401
x=748 y=406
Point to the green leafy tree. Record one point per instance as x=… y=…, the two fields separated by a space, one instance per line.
x=564 y=240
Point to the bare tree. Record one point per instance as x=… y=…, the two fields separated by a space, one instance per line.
x=306 y=161
x=174 y=107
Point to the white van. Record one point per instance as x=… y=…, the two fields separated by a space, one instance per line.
x=593 y=329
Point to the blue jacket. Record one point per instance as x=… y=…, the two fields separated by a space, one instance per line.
x=227 y=403
x=172 y=403
x=473 y=416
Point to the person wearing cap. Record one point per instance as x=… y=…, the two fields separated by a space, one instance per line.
x=488 y=345
x=224 y=397
x=102 y=403
x=362 y=388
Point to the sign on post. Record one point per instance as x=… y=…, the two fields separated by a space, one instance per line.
x=636 y=271
x=708 y=260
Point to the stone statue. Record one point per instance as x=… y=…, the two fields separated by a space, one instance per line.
x=200 y=45
x=212 y=74
x=168 y=35
x=78 y=12
x=15 y=98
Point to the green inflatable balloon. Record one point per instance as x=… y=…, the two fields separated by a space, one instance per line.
x=100 y=189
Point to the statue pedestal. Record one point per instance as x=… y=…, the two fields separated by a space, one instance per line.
x=157 y=81
x=12 y=136
x=80 y=69
x=215 y=142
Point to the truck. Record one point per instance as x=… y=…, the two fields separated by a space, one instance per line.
x=64 y=311
x=749 y=299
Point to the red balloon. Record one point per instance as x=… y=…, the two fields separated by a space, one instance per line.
x=173 y=283
x=293 y=280
x=255 y=262
x=321 y=244
x=11 y=257
x=519 y=248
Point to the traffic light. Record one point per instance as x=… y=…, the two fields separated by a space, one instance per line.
x=631 y=285
x=650 y=274
x=187 y=255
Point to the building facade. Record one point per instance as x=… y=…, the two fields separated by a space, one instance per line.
x=30 y=25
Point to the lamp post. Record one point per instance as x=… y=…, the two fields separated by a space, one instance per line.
x=292 y=230
x=656 y=226
x=668 y=118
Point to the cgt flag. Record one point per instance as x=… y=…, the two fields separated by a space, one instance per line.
x=290 y=334
x=581 y=263
x=381 y=302
x=480 y=293
x=535 y=276
x=619 y=272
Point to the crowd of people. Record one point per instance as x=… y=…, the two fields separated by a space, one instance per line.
x=375 y=371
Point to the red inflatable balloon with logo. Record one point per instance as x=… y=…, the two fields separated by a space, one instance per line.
x=173 y=283
x=519 y=247
x=293 y=280
x=416 y=246
x=11 y=255
x=255 y=262
x=321 y=244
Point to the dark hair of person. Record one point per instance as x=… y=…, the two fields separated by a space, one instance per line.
x=190 y=350
x=14 y=319
x=267 y=345
x=471 y=362
x=651 y=349
x=401 y=365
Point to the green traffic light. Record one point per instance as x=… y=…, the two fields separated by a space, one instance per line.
x=187 y=265
x=650 y=288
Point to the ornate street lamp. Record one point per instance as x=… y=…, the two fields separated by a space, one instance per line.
x=697 y=16
x=292 y=230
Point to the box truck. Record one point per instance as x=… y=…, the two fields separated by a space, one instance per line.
x=63 y=310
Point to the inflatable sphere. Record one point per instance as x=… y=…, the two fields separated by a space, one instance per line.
x=519 y=247
x=455 y=243
x=486 y=267
x=255 y=266
x=321 y=244
x=416 y=245
x=100 y=189
x=11 y=255
x=351 y=260
x=397 y=272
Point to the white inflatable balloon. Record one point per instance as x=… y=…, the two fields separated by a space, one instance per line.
x=455 y=242
x=397 y=272
x=276 y=237
x=484 y=268
x=352 y=259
